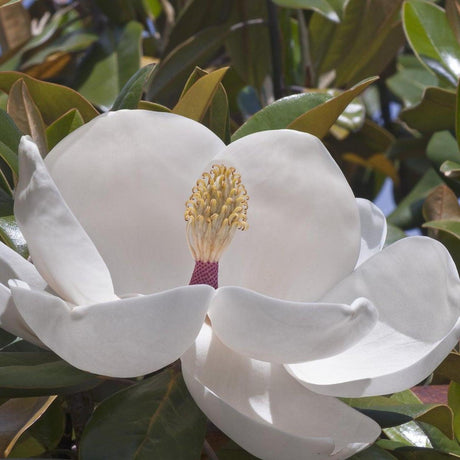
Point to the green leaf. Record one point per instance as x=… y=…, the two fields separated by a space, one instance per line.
x=457 y=115
x=450 y=169
x=450 y=367
x=281 y=113
x=411 y=80
x=454 y=404
x=6 y=338
x=9 y=132
x=11 y=235
x=168 y=77
x=439 y=441
x=318 y=120
x=52 y=100
x=110 y=64
x=40 y=373
x=408 y=214
x=232 y=451
x=131 y=93
x=393 y=234
x=155 y=418
x=430 y=36
x=146 y=105
x=332 y=10
x=450 y=226
x=196 y=101
x=441 y=148
x=435 y=112
x=362 y=44
x=373 y=453
x=63 y=126
x=453 y=16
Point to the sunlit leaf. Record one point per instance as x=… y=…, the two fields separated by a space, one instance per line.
x=378 y=162
x=153 y=106
x=11 y=235
x=430 y=36
x=196 y=101
x=155 y=418
x=63 y=126
x=52 y=100
x=447 y=225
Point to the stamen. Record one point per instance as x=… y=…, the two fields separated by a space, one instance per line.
x=216 y=209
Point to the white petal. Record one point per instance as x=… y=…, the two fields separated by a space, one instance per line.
x=60 y=248
x=12 y=321
x=281 y=331
x=122 y=338
x=12 y=265
x=265 y=411
x=373 y=229
x=126 y=175
x=303 y=234
x=414 y=285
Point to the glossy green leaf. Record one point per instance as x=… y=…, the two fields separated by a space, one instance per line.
x=40 y=373
x=408 y=213
x=168 y=78
x=154 y=107
x=10 y=134
x=332 y=10
x=42 y=436
x=450 y=226
x=430 y=36
x=410 y=81
x=441 y=148
x=16 y=415
x=155 y=418
x=52 y=100
x=110 y=64
x=196 y=101
x=63 y=126
x=11 y=235
x=131 y=93
x=439 y=441
x=410 y=434
x=281 y=113
x=25 y=113
x=421 y=453
x=435 y=112
x=450 y=169
x=318 y=120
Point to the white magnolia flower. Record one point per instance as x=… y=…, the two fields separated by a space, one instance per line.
x=310 y=307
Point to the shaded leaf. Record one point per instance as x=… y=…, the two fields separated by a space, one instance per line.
x=435 y=112
x=393 y=234
x=63 y=126
x=40 y=373
x=408 y=213
x=373 y=453
x=441 y=148
x=131 y=93
x=155 y=418
x=453 y=16
x=450 y=226
x=23 y=110
x=450 y=367
x=52 y=100
x=110 y=64
x=378 y=162
x=332 y=10
x=18 y=414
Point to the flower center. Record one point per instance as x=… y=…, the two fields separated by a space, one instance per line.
x=215 y=210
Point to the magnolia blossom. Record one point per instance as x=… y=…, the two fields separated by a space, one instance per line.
x=309 y=305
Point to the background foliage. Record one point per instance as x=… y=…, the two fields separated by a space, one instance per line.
x=377 y=80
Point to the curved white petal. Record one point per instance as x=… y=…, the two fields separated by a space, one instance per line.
x=303 y=234
x=265 y=411
x=12 y=321
x=60 y=248
x=281 y=331
x=142 y=166
x=122 y=338
x=414 y=285
x=373 y=229
x=13 y=265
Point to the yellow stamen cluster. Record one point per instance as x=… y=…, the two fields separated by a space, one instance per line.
x=215 y=210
